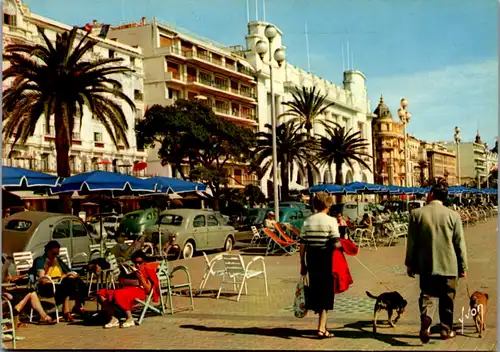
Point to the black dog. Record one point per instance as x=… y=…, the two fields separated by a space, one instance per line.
x=389 y=301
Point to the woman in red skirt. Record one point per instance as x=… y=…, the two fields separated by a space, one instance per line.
x=124 y=298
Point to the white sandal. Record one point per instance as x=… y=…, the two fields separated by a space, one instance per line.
x=128 y=324
x=112 y=323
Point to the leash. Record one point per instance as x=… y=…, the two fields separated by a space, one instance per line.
x=371 y=272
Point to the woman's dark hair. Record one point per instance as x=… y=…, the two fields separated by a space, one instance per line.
x=138 y=254
x=52 y=245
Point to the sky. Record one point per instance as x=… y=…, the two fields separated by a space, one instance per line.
x=442 y=55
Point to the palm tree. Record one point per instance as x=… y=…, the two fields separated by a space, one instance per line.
x=339 y=147
x=54 y=80
x=306 y=107
x=293 y=148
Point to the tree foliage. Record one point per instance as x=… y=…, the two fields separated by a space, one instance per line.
x=189 y=132
x=293 y=150
x=341 y=146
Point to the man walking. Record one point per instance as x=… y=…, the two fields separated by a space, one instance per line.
x=436 y=252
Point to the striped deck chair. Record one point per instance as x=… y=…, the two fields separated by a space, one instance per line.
x=283 y=233
x=276 y=244
x=295 y=230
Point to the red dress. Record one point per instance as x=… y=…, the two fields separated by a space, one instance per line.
x=125 y=297
x=342 y=278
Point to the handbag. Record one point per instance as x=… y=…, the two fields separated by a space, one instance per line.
x=300 y=302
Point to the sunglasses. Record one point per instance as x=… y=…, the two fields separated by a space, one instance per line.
x=54 y=253
x=138 y=262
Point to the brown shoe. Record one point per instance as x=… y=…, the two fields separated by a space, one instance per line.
x=445 y=335
x=425 y=328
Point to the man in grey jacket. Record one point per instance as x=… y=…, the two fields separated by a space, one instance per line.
x=436 y=252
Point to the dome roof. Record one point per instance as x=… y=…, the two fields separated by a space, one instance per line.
x=382 y=111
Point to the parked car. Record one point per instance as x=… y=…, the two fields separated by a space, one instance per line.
x=353 y=210
x=134 y=223
x=30 y=231
x=193 y=230
x=294 y=216
x=290 y=204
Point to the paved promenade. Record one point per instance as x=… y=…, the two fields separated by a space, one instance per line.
x=260 y=322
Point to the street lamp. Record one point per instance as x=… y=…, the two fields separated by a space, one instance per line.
x=405 y=116
x=279 y=56
x=457 y=138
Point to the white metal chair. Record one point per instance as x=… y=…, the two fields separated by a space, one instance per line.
x=113 y=273
x=367 y=235
x=237 y=274
x=53 y=284
x=255 y=235
x=210 y=271
x=23 y=261
x=8 y=321
x=64 y=255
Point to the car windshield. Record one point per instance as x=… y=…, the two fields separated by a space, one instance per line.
x=18 y=225
x=134 y=216
x=171 y=219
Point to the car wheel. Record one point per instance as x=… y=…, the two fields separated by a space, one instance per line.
x=188 y=250
x=228 y=245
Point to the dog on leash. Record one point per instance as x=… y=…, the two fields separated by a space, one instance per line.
x=478 y=302
x=389 y=301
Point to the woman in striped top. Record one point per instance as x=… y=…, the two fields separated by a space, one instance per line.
x=320 y=235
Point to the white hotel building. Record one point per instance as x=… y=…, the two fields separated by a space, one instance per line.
x=92 y=148
x=179 y=64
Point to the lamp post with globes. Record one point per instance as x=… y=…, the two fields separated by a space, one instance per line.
x=279 y=56
x=405 y=116
x=457 y=139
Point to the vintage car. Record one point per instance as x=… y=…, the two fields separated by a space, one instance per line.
x=30 y=231
x=294 y=216
x=134 y=223
x=192 y=230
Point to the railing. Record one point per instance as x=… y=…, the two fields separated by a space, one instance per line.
x=245 y=71
x=173 y=75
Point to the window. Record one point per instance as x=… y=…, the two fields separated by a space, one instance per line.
x=133 y=61
x=9 y=13
x=78 y=229
x=97 y=137
x=151 y=216
x=18 y=225
x=44 y=162
x=170 y=219
x=111 y=54
x=212 y=221
x=61 y=230
x=199 y=221
x=173 y=94
x=9 y=19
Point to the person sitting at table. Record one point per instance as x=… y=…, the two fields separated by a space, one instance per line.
x=124 y=298
x=19 y=298
x=366 y=222
x=70 y=286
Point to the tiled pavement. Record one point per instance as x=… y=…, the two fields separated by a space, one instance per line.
x=260 y=322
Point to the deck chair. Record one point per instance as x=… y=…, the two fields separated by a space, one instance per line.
x=293 y=229
x=10 y=321
x=23 y=261
x=283 y=233
x=166 y=288
x=276 y=244
x=209 y=270
x=237 y=274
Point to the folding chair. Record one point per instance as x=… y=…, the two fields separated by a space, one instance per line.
x=165 y=287
x=368 y=236
x=53 y=284
x=237 y=274
x=256 y=235
x=295 y=231
x=275 y=244
x=10 y=321
x=209 y=270
x=283 y=233
x=23 y=261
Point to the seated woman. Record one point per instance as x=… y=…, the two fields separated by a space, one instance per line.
x=121 y=250
x=366 y=222
x=19 y=299
x=70 y=286
x=124 y=298
x=342 y=225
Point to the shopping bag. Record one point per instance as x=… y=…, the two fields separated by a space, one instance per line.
x=299 y=304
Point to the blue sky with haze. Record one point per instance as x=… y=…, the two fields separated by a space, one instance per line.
x=442 y=55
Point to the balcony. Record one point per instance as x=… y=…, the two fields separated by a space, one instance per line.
x=172 y=51
x=235 y=115
x=204 y=59
x=223 y=89
x=174 y=77
x=99 y=144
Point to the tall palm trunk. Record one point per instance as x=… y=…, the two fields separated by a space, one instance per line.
x=62 y=153
x=285 y=185
x=339 y=180
x=310 y=175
